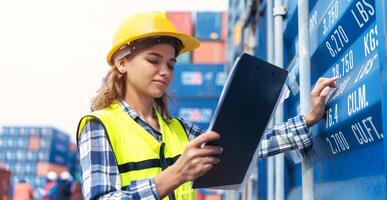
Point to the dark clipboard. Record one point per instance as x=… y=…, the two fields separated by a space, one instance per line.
x=243 y=112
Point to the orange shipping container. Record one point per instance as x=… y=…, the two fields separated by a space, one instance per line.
x=210 y=52
x=182 y=21
x=224 y=25
x=34 y=143
x=43 y=167
x=73 y=147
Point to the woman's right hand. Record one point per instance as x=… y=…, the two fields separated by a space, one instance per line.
x=197 y=158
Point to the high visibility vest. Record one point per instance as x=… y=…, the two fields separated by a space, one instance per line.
x=138 y=154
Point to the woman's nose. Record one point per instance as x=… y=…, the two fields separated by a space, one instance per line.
x=164 y=70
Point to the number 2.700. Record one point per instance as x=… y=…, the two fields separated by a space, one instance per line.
x=339 y=143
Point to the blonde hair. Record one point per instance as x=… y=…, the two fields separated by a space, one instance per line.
x=114 y=88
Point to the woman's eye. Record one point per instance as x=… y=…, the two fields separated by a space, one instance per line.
x=171 y=67
x=152 y=61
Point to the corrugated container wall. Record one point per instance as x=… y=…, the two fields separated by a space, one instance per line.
x=346 y=40
x=210 y=52
x=208 y=25
x=198 y=81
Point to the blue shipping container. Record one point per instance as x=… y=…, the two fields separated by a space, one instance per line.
x=344 y=43
x=346 y=40
x=196 y=110
x=208 y=25
x=203 y=81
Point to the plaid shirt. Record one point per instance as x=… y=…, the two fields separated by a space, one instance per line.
x=100 y=176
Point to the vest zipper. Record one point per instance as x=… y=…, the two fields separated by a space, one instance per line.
x=164 y=166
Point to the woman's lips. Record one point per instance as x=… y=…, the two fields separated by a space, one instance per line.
x=162 y=83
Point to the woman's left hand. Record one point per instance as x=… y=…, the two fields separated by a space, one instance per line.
x=318 y=94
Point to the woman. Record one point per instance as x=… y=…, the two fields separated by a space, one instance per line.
x=131 y=148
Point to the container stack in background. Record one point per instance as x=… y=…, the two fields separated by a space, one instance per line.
x=199 y=76
x=211 y=30
x=30 y=152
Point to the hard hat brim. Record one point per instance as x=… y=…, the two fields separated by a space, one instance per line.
x=189 y=42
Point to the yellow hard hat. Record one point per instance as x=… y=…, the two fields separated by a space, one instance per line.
x=145 y=25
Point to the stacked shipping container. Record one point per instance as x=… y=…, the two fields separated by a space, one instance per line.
x=196 y=89
x=210 y=30
x=30 y=152
x=199 y=76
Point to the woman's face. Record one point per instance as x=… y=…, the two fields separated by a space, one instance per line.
x=150 y=71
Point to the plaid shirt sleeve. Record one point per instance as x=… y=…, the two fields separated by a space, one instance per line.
x=293 y=134
x=192 y=130
x=100 y=176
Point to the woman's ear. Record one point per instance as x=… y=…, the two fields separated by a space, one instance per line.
x=120 y=64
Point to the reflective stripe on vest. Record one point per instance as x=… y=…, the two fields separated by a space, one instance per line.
x=138 y=154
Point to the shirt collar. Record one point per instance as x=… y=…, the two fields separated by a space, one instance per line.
x=128 y=109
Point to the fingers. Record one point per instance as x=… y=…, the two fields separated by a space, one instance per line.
x=324 y=93
x=210 y=160
x=204 y=164
x=209 y=151
x=204 y=138
x=334 y=79
x=322 y=83
x=206 y=151
x=197 y=159
x=207 y=160
x=205 y=169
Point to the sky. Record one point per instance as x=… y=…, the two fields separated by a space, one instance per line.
x=52 y=55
